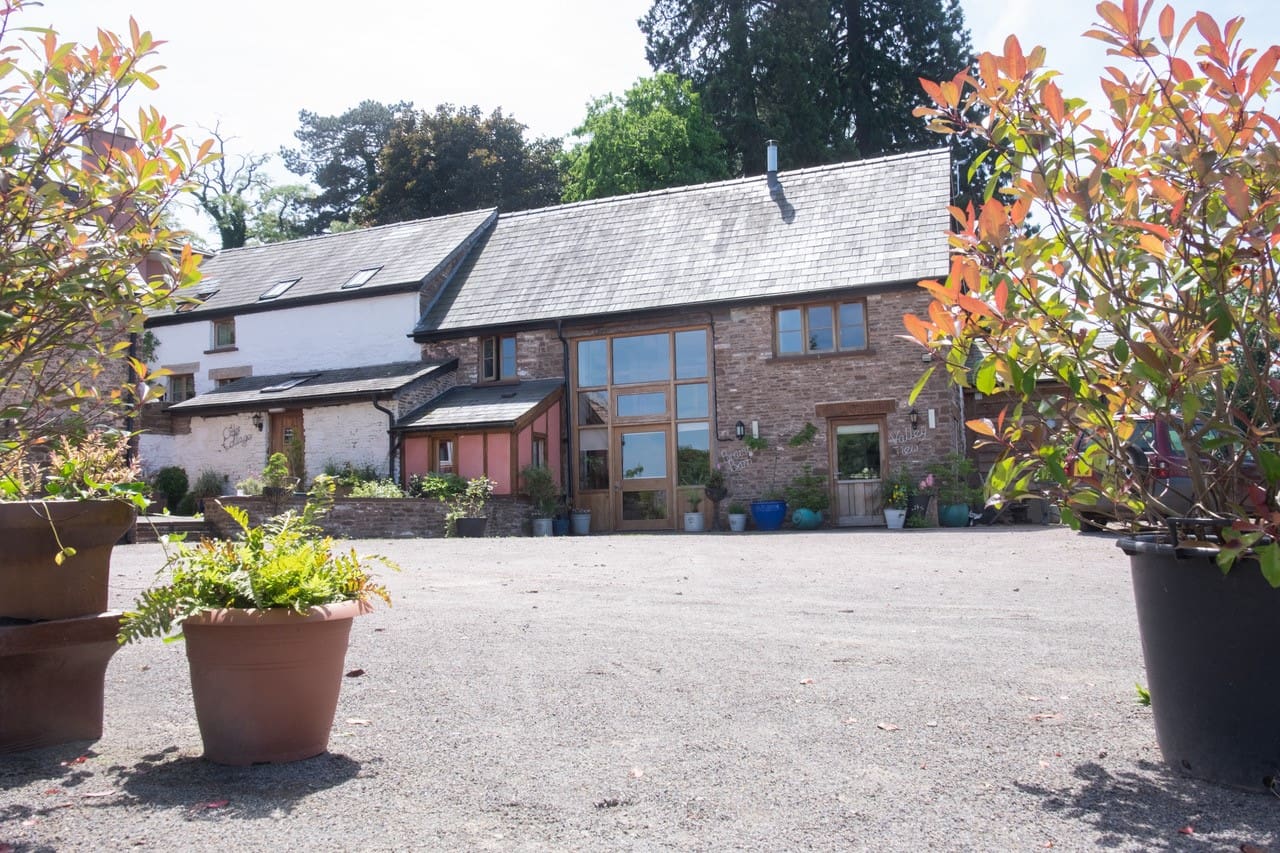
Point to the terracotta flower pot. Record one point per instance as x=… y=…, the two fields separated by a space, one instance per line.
x=266 y=682
x=51 y=680
x=32 y=585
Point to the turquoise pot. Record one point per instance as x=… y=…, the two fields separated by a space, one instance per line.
x=954 y=515
x=806 y=519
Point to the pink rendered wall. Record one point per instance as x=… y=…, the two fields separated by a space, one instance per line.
x=417 y=456
x=500 y=462
x=525 y=442
x=471 y=455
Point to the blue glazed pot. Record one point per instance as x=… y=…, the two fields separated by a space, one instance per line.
x=806 y=519
x=768 y=515
x=560 y=526
x=954 y=515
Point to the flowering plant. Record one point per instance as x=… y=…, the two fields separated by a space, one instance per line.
x=896 y=489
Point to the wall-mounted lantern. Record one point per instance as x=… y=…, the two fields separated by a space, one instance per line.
x=257 y=421
x=740 y=430
x=915 y=418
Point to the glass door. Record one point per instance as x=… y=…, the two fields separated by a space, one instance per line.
x=644 y=486
x=858 y=453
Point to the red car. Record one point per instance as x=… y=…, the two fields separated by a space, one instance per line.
x=1156 y=455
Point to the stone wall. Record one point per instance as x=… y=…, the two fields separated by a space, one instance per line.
x=539 y=355
x=374 y=518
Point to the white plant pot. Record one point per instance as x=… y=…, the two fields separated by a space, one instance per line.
x=693 y=522
x=542 y=527
x=581 y=520
x=894 y=519
x=737 y=521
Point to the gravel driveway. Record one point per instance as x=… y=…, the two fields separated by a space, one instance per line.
x=838 y=690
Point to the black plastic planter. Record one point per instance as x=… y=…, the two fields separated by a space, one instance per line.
x=1209 y=642
x=470 y=528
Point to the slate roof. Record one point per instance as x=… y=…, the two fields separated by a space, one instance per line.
x=249 y=393
x=407 y=252
x=865 y=223
x=481 y=406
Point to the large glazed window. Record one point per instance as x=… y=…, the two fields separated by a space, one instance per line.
x=641 y=358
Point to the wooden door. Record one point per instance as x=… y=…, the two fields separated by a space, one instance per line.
x=287 y=438
x=644 y=478
x=857 y=459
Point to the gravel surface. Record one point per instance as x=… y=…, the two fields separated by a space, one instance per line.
x=837 y=690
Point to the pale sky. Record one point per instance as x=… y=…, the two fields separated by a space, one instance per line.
x=253 y=65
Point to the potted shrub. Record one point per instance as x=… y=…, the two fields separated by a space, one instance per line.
x=715 y=489
x=896 y=492
x=1149 y=291
x=580 y=520
x=808 y=496
x=170 y=484
x=737 y=517
x=466 y=516
x=277 y=483
x=544 y=495
x=693 y=521
x=950 y=477
x=769 y=511
x=266 y=620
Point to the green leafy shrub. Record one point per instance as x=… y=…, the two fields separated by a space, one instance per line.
x=208 y=485
x=470 y=504
x=808 y=491
x=188 y=505
x=349 y=475
x=249 y=486
x=541 y=488
x=171 y=482
x=276 y=473
x=285 y=562
x=377 y=489
x=951 y=477
x=440 y=487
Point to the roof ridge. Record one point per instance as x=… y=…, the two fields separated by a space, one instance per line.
x=691 y=188
x=487 y=211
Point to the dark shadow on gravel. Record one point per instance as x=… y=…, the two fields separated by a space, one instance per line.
x=201 y=788
x=1132 y=807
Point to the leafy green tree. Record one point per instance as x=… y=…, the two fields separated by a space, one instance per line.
x=830 y=79
x=281 y=212
x=340 y=156
x=84 y=248
x=456 y=159
x=225 y=189
x=656 y=135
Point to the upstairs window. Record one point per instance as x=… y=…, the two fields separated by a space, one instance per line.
x=825 y=328
x=182 y=386
x=278 y=288
x=498 y=358
x=360 y=279
x=224 y=333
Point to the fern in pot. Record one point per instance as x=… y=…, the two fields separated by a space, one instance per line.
x=266 y=619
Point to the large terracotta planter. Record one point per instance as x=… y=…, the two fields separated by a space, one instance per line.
x=266 y=682
x=1209 y=642
x=32 y=585
x=51 y=680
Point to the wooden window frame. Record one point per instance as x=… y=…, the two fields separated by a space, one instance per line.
x=190 y=383
x=834 y=306
x=222 y=323
x=490 y=367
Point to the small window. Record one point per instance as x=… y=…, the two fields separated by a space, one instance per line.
x=291 y=382
x=226 y=380
x=202 y=295
x=278 y=288
x=360 y=279
x=444 y=456
x=182 y=386
x=224 y=333
x=827 y=328
x=539 y=457
x=498 y=358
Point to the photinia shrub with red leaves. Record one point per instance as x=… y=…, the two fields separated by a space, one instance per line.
x=1124 y=263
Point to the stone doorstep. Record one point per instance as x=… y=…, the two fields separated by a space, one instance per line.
x=51 y=679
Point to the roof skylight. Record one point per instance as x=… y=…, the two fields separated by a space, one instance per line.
x=360 y=279
x=203 y=293
x=291 y=382
x=278 y=288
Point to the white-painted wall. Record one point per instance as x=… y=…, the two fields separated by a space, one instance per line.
x=230 y=445
x=355 y=433
x=353 y=333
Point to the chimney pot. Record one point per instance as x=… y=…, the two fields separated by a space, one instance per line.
x=771 y=158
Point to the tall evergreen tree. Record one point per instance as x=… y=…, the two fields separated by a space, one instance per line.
x=830 y=79
x=340 y=156
x=457 y=159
